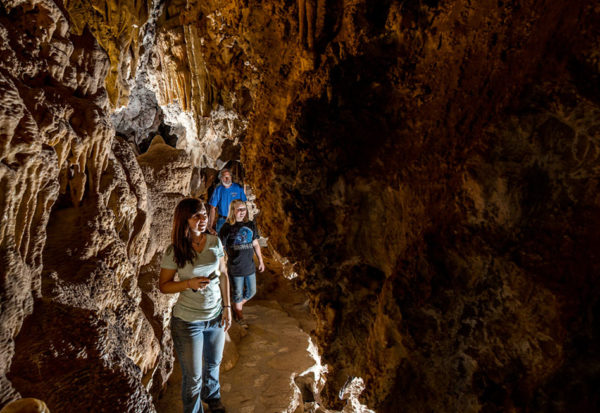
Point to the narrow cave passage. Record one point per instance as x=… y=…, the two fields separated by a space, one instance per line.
x=273 y=364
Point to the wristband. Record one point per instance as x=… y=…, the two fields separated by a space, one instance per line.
x=226 y=306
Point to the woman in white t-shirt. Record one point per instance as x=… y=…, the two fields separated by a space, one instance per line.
x=202 y=313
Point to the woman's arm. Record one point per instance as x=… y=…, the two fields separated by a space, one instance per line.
x=224 y=285
x=166 y=283
x=168 y=286
x=256 y=246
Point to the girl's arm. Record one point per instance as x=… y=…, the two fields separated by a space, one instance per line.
x=224 y=285
x=168 y=286
x=256 y=246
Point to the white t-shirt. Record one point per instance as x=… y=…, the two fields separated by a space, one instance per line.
x=201 y=305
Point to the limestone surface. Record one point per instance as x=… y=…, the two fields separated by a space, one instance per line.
x=27 y=405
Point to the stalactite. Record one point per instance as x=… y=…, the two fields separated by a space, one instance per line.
x=116 y=26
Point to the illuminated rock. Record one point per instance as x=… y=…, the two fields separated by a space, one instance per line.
x=27 y=405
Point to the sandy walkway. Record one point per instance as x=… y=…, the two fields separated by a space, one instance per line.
x=272 y=354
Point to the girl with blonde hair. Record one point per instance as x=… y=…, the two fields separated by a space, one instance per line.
x=239 y=236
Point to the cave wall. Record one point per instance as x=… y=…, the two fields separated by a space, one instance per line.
x=428 y=167
x=431 y=168
x=83 y=328
x=48 y=85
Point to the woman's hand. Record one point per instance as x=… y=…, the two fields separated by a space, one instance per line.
x=226 y=318
x=256 y=246
x=198 y=283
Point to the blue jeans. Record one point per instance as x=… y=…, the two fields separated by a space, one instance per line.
x=244 y=288
x=199 y=348
x=220 y=221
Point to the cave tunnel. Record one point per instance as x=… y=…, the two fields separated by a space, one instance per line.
x=424 y=176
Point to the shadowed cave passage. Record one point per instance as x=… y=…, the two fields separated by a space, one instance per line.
x=425 y=171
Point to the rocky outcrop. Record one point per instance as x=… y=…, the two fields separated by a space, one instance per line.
x=75 y=227
x=52 y=142
x=116 y=25
x=203 y=109
x=27 y=405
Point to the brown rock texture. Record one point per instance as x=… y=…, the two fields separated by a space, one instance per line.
x=116 y=26
x=27 y=405
x=210 y=104
x=429 y=168
x=423 y=164
x=76 y=329
x=51 y=84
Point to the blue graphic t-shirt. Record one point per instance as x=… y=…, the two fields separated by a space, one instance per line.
x=222 y=197
x=237 y=240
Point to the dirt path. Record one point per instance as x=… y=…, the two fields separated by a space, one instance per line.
x=273 y=353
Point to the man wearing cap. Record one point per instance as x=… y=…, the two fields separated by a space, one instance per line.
x=222 y=196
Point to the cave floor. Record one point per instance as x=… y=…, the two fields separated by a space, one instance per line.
x=273 y=351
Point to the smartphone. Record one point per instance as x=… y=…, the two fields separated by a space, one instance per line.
x=211 y=277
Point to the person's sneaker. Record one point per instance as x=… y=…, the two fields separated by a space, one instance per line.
x=242 y=322
x=215 y=406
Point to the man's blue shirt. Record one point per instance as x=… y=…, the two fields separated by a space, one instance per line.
x=222 y=197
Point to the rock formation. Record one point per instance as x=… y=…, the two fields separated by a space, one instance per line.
x=27 y=405
x=428 y=169
x=116 y=27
